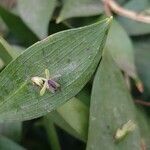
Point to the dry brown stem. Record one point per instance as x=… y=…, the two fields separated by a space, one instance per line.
x=112 y=5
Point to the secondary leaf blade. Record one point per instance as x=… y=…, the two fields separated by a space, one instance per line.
x=119 y=45
x=111 y=107
x=4 y=51
x=7 y=144
x=80 y=8
x=36 y=14
x=12 y=130
x=135 y=27
x=142 y=54
x=79 y=112
x=17 y=27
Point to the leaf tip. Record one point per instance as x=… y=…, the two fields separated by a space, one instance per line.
x=109 y=20
x=139 y=85
x=58 y=20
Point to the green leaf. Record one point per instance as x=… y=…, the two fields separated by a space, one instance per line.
x=60 y=122
x=11 y=130
x=143 y=120
x=2 y=64
x=72 y=55
x=77 y=129
x=122 y=1
x=80 y=8
x=7 y=144
x=8 y=53
x=111 y=107
x=85 y=95
x=134 y=27
x=3 y=28
x=12 y=51
x=119 y=45
x=79 y=112
x=142 y=54
x=17 y=27
x=37 y=14
x=5 y=51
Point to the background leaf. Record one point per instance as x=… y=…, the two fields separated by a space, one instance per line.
x=12 y=130
x=79 y=8
x=142 y=54
x=72 y=54
x=134 y=27
x=37 y=14
x=5 y=51
x=60 y=122
x=7 y=144
x=79 y=112
x=111 y=107
x=143 y=120
x=2 y=64
x=121 y=49
x=17 y=27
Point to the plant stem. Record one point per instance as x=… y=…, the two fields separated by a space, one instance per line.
x=51 y=133
x=141 y=102
x=115 y=7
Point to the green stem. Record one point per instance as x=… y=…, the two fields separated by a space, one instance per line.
x=51 y=133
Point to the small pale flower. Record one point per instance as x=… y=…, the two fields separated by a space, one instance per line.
x=124 y=130
x=46 y=83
